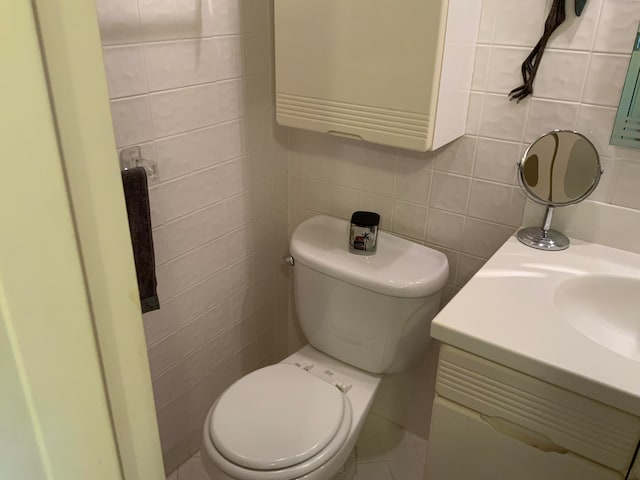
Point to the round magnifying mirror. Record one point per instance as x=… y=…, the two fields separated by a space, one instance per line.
x=560 y=168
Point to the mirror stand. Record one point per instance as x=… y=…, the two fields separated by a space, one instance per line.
x=544 y=238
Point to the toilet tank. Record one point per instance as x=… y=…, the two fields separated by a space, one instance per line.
x=372 y=312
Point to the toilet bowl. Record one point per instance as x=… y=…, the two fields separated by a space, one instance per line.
x=363 y=317
x=322 y=451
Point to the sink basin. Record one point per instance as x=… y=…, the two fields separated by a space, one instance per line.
x=604 y=308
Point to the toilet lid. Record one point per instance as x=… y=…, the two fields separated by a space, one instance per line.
x=276 y=417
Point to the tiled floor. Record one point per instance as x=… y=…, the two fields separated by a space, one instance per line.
x=385 y=452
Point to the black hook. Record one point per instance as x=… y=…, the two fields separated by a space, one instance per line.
x=532 y=62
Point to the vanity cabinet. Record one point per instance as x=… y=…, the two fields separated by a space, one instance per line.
x=493 y=422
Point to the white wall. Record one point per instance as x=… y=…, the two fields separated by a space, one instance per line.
x=464 y=199
x=191 y=82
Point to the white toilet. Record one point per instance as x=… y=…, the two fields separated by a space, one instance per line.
x=363 y=316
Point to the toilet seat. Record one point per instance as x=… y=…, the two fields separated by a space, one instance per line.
x=279 y=422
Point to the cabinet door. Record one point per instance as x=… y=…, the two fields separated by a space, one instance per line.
x=463 y=445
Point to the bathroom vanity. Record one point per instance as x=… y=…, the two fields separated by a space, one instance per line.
x=539 y=374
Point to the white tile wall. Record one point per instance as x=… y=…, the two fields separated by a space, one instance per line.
x=464 y=199
x=191 y=82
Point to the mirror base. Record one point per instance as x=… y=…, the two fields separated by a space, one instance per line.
x=536 y=237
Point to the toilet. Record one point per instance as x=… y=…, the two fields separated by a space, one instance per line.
x=363 y=316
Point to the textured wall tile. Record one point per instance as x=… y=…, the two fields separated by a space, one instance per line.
x=488 y=21
x=504 y=68
x=597 y=124
x=413 y=179
x=229 y=57
x=255 y=16
x=474 y=117
x=618 y=26
x=606 y=188
x=174 y=19
x=227 y=17
x=379 y=204
x=259 y=131
x=496 y=202
x=190 y=193
x=468 y=266
x=257 y=54
x=607 y=74
x=160 y=247
x=503 y=119
x=562 y=75
x=118 y=20
x=156 y=206
x=456 y=157
x=196 y=150
x=578 y=33
x=379 y=172
x=131 y=121
x=481 y=68
x=547 y=115
x=409 y=220
x=238 y=211
x=449 y=192
x=189 y=338
x=258 y=94
x=519 y=22
x=483 y=239
x=195 y=229
x=230 y=100
x=445 y=229
x=627 y=193
x=178 y=111
x=125 y=71
x=198 y=264
x=496 y=160
x=198 y=60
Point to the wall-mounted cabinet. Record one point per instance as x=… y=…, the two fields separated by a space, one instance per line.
x=393 y=73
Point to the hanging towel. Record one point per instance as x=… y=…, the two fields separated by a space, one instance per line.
x=136 y=194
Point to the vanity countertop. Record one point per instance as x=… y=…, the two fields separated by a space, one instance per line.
x=542 y=313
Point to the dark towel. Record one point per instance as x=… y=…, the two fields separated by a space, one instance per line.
x=136 y=194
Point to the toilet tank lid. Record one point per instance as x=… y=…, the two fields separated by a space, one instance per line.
x=400 y=268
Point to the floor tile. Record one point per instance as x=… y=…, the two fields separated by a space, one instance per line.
x=373 y=471
x=173 y=476
x=382 y=440
x=192 y=469
x=403 y=448
x=407 y=469
x=420 y=445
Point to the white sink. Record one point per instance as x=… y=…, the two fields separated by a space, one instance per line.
x=571 y=318
x=606 y=309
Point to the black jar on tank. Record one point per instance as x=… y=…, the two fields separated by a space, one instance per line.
x=363 y=236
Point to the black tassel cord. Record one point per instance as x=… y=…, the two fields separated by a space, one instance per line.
x=531 y=64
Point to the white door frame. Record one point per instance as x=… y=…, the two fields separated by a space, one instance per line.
x=60 y=182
